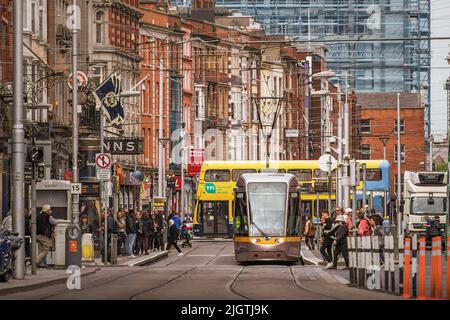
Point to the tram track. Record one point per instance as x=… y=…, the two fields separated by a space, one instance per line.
x=179 y=276
x=111 y=279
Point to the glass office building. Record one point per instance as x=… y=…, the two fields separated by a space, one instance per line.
x=358 y=28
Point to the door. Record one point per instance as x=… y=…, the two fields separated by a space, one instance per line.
x=215 y=218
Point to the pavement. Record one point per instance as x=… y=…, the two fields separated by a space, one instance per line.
x=48 y=277
x=208 y=270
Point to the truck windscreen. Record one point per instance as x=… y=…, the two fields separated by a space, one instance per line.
x=425 y=205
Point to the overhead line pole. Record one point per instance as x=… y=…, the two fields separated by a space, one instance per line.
x=18 y=142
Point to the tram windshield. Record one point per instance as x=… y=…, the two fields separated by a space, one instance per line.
x=267 y=208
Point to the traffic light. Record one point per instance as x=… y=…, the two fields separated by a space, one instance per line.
x=35 y=154
x=40 y=171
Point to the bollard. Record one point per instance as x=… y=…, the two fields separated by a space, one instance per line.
x=422 y=268
x=376 y=260
x=401 y=262
x=350 y=253
x=447 y=282
x=433 y=268
x=387 y=262
x=392 y=266
x=358 y=260
x=407 y=269
x=414 y=265
x=355 y=261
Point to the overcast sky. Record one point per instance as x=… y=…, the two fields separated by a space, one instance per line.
x=440 y=69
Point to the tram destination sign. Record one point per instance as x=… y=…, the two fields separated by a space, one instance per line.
x=124 y=145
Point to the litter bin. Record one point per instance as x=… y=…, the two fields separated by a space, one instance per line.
x=113 y=248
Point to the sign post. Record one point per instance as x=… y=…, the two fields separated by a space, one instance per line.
x=103 y=163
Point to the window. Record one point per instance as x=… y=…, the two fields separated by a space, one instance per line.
x=425 y=205
x=240 y=215
x=41 y=19
x=372 y=174
x=99 y=27
x=199 y=105
x=301 y=175
x=365 y=127
x=98 y=74
x=33 y=17
x=402 y=126
x=217 y=175
x=402 y=153
x=365 y=151
x=237 y=172
x=267 y=207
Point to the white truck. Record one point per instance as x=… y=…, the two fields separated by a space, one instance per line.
x=425 y=194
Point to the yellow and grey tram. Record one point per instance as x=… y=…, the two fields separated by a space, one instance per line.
x=267 y=219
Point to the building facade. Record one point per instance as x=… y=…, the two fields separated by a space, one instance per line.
x=379 y=130
x=375 y=66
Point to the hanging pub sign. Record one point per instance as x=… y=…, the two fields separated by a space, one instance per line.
x=124 y=145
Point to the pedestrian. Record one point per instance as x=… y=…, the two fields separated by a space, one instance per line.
x=337 y=211
x=139 y=242
x=327 y=241
x=432 y=227
x=310 y=232
x=131 y=230
x=363 y=226
x=7 y=221
x=121 y=226
x=376 y=224
x=111 y=228
x=173 y=237
x=44 y=233
x=348 y=217
x=161 y=225
x=340 y=242
x=153 y=242
x=144 y=233
x=84 y=225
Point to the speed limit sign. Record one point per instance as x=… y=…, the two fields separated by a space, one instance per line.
x=76 y=188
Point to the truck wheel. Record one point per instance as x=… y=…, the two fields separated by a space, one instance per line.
x=6 y=276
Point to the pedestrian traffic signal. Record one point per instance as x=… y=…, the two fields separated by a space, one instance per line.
x=40 y=172
x=35 y=154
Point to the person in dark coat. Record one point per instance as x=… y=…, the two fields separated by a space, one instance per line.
x=173 y=238
x=131 y=229
x=144 y=233
x=432 y=227
x=153 y=242
x=160 y=230
x=341 y=242
x=327 y=240
x=84 y=225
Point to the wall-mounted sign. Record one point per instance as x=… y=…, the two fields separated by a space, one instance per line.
x=124 y=145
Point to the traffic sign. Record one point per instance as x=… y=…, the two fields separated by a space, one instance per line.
x=103 y=160
x=81 y=80
x=103 y=166
x=75 y=188
x=327 y=163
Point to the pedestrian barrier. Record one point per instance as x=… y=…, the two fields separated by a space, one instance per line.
x=422 y=268
x=399 y=267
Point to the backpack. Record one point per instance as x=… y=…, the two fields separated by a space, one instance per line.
x=312 y=228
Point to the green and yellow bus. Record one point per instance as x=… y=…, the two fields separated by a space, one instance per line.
x=213 y=213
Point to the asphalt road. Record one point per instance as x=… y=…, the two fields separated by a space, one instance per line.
x=208 y=270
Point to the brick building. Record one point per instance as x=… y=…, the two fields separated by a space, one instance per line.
x=378 y=127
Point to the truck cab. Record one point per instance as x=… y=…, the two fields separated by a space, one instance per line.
x=424 y=195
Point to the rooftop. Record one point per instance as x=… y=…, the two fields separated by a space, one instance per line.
x=383 y=100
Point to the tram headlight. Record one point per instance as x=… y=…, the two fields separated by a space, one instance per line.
x=280 y=240
x=254 y=240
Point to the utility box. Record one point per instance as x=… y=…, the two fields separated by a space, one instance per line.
x=56 y=193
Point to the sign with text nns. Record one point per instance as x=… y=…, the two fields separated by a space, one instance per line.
x=124 y=145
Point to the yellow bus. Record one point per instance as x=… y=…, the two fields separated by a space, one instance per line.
x=213 y=214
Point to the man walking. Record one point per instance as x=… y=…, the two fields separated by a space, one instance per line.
x=341 y=243
x=44 y=233
x=327 y=240
x=121 y=231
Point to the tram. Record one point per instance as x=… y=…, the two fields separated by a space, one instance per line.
x=267 y=218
